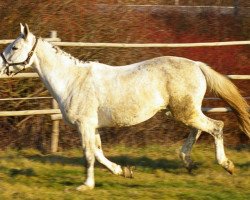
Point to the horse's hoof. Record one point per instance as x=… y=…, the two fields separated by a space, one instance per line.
x=229 y=166
x=82 y=188
x=192 y=166
x=127 y=172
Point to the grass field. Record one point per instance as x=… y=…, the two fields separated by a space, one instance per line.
x=28 y=174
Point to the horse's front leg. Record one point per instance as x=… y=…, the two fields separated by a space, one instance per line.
x=113 y=167
x=87 y=133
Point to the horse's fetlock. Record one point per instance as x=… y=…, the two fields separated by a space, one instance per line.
x=84 y=187
x=182 y=156
x=228 y=165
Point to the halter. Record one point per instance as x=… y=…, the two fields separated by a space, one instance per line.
x=24 y=63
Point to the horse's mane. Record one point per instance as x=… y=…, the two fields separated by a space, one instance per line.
x=59 y=51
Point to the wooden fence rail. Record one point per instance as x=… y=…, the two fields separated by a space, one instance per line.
x=29 y=112
x=53 y=38
x=57 y=41
x=150 y=45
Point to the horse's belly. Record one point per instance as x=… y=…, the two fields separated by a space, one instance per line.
x=127 y=115
x=114 y=119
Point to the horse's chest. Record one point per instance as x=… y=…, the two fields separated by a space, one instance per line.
x=77 y=106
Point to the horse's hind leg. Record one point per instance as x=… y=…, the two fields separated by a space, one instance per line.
x=215 y=128
x=113 y=167
x=187 y=148
x=186 y=107
x=217 y=133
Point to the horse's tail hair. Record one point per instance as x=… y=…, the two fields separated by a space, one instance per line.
x=225 y=89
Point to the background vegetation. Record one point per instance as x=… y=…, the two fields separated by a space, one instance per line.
x=131 y=22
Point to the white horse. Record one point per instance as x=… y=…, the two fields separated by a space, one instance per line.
x=92 y=95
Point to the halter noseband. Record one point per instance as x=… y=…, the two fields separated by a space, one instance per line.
x=24 y=63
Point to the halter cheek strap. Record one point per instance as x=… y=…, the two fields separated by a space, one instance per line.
x=24 y=63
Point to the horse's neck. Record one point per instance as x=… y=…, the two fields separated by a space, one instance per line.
x=55 y=69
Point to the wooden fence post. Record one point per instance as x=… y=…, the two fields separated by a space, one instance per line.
x=236 y=7
x=53 y=34
x=55 y=123
x=55 y=130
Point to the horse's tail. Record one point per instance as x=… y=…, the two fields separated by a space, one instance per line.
x=225 y=89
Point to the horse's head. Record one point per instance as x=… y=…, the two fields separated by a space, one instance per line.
x=19 y=54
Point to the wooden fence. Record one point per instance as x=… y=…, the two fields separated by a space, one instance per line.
x=55 y=113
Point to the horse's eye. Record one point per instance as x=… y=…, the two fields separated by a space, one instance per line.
x=14 y=48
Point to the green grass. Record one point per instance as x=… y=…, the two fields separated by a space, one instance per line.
x=159 y=174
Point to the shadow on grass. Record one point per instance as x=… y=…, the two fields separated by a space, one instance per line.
x=167 y=165
x=118 y=185
x=149 y=163
x=243 y=165
x=26 y=172
x=13 y=172
x=144 y=161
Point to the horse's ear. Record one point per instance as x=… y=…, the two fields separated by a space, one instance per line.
x=22 y=28
x=26 y=31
